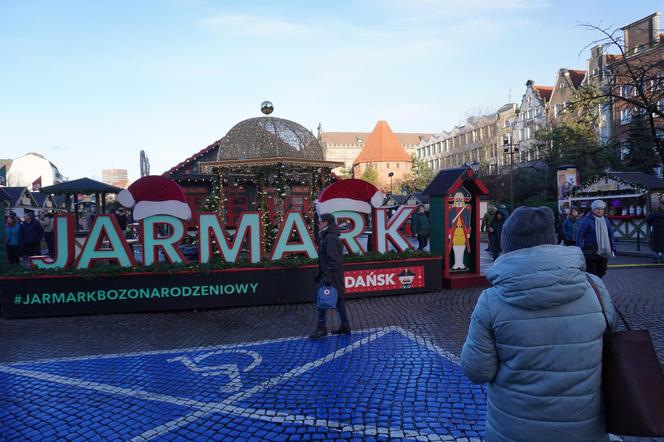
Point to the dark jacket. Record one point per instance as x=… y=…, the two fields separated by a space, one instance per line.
x=570 y=228
x=586 y=237
x=31 y=232
x=122 y=220
x=419 y=224
x=331 y=258
x=497 y=226
x=656 y=220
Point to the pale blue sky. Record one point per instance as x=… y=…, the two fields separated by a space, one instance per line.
x=90 y=83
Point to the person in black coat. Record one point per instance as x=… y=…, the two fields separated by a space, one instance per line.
x=656 y=221
x=331 y=272
x=31 y=234
x=495 y=230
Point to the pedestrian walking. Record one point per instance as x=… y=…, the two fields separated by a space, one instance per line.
x=331 y=272
x=487 y=218
x=570 y=227
x=595 y=238
x=12 y=234
x=536 y=338
x=656 y=222
x=495 y=230
x=419 y=226
x=49 y=236
x=31 y=234
x=486 y=222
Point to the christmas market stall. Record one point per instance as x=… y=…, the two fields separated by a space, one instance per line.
x=628 y=197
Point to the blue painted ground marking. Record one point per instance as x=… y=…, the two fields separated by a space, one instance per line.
x=383 y=383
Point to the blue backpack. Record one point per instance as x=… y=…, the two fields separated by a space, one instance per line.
x=326 y=297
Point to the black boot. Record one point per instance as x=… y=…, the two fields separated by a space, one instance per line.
x=319 y=333
x=343 y=330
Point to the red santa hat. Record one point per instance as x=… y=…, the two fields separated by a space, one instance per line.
x=352 y=194
x=155 y=195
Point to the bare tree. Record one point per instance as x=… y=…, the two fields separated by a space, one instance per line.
x=635 y=82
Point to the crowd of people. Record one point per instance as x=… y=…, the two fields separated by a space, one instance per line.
x=24 y=237
x=34 y=235
x=585 y=227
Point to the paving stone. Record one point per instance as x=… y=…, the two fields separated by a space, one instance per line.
x=389 y=389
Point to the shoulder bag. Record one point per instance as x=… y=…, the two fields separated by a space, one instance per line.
x=632 y=380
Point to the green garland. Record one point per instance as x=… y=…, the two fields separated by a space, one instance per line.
x=105 y=270
x=603 y=177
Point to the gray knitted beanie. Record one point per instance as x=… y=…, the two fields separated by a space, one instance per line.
x=528 y=227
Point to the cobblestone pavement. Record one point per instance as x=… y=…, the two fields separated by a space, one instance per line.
x=183 y=376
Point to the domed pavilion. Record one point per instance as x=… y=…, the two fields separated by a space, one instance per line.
x=264 y=164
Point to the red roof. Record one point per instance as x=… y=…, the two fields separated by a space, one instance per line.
x=382 y=145
x=192 y=158
x=544 y=92
x=576 y=77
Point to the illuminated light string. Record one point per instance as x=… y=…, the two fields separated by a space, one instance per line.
x=596 y=179
x=271 y=180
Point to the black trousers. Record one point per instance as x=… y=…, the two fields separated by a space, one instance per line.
x=14 y=254
x=596 y=265
x=422 y=241
x=32 y=248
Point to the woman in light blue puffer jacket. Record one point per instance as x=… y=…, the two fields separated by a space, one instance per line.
x=536 y=338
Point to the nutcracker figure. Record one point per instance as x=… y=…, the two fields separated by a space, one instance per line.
x=459 y=226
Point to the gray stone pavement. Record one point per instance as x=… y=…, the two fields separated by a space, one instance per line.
x=436 y=321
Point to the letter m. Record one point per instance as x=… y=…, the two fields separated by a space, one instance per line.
x=248 y=229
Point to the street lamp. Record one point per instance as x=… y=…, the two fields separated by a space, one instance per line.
x=391 y=174
x=510 y=149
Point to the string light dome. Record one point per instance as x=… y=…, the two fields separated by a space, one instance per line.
x=269 y=137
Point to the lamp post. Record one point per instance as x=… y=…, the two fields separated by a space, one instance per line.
x=510 y=149
x=391 y=174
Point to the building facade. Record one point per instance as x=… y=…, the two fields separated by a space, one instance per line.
x=505 y=125
x=638 y=77
x=115 y=177
x=477 y=141
x=384 y=153
x=346 y=146
x=32 y=169
x=565 y=92
x=598 y=76
x=532 y=117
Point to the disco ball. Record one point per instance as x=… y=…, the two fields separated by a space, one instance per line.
x=267 y=107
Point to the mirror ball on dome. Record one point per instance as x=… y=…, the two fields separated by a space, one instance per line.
x=269 y=137
x=267 y=107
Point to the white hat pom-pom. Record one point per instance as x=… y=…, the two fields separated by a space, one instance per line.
x=126 y=198
x=377 y=199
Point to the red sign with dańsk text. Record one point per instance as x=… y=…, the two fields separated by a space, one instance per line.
x=393 y=278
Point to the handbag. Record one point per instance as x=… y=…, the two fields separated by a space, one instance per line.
x=632 y=380
x=326 y=297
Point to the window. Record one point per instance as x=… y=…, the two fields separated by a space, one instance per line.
x=627 y=90
x=660 y=106
x=624 y=150
x=625 y=116
x=388 y=165
x=557 y=109
x=507 y=123
x=397 y=165
x=657 y=83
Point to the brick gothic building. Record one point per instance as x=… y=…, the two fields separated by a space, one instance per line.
x=383 y=152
